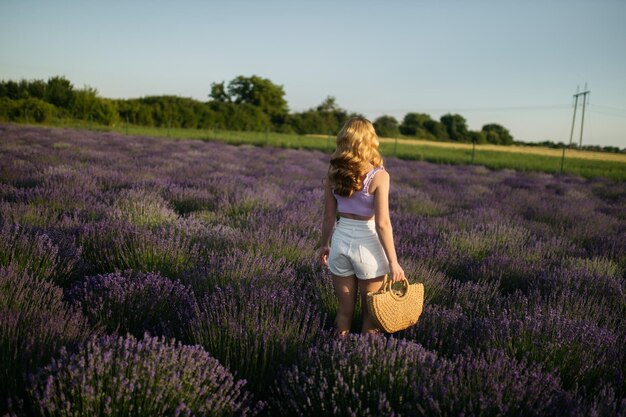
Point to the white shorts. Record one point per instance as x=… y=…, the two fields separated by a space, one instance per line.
x=356 y=250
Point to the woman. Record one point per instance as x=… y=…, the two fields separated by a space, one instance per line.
x=362 y=250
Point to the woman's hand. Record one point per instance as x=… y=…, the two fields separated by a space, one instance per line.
x=396 y=272
x=323 y=255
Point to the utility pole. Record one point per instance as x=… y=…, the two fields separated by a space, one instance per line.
x=578 y=94
x=582 y=122
x=571 y=135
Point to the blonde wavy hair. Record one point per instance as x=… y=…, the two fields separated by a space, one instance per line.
x=357 y=148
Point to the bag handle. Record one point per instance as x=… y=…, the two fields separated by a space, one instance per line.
x=387 y=283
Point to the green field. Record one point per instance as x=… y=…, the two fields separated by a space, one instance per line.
x=405 y=149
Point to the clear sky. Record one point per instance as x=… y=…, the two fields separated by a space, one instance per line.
x=516 y=63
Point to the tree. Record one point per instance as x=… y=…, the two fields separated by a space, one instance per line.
x=456 y=127
x=218 y=92
x=244 y=116
x=329 y=105
x=437 y=129
x=256 y=91
x=326 y=118
x=37 y=89
x=386 y=126
x=497 y=134
x=60 y=92
x=85 y=102
x=259 y=92
x=10 y=89
x=413 y=122
x=477 y=137
x=105 y=112
x=23 y=89
x=30 y=109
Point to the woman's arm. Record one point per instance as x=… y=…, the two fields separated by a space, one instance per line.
x=330 y=216
x=380 y=188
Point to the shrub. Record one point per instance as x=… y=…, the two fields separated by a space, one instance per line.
x=187 y=198
x=117 y=246
x=373 y=376
x=325 y=299
x=34 y=324
x=448 y=331
x=135 y=303
x=582 y=353
x=477 y=298
x=113 y=376
x=583 y=286
x=38 y=216
x=360 y=376
x=487 y=238
x=142 y=208
x=492 y=384
x=273 y=238
x=254 y=329
x=436 y=284
x=238 y=267
x=510 y=272
x=31 y=110
x=598 y=266
x=37 y=253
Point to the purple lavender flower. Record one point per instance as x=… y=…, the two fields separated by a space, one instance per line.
x=34 y=324
x=37 y=252
x=371 y=376
x=142 y=208
x=239 y=267
x=109 y=246
x=144 y=377
x=256 y=328
x=135 y=303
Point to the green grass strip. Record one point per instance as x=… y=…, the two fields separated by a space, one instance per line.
x=586 y=168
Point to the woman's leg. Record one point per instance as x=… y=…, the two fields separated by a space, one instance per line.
x=345 y=290
x=365 y=286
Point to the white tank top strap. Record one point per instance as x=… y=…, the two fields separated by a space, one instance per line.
x=369 y=177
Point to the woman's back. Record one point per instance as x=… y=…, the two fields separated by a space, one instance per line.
x=361 y=202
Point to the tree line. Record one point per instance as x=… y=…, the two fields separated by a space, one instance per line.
x=243 y=104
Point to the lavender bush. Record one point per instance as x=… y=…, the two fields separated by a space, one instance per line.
x=193 y=196
x=142 y=208
x=135 y=303
x=221 y=269
x=583 y=353
x=34 y=324
x=37 y=253
x=140 y=377
x=373 y=376
x=254 y=329
x=38 y=216
x=603 y=293
x=112 y=245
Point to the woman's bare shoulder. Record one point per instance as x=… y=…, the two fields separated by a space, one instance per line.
x=381 y=177
x=382 y=174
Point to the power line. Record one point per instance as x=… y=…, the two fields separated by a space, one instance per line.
x=468 y=109
x=608 y=110
x=623 y=116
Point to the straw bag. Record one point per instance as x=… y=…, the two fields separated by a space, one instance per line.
x=396 y=310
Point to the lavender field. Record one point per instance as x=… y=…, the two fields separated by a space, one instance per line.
x=153 y=277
